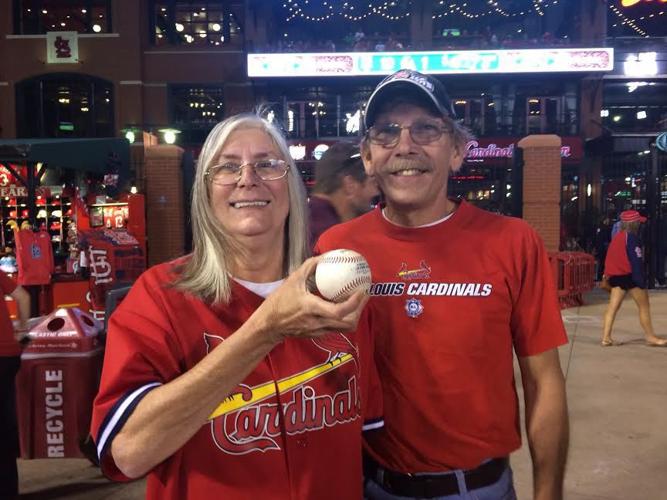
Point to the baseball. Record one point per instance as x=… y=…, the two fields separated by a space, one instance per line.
x=340 y=273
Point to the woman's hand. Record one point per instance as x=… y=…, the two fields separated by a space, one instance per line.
x=293 y=311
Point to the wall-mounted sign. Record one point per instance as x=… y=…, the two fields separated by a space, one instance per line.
x=488 y=149
x=297 y=151
x=319 y=150
x=641 y=64
x=20 y=191
x=448 y=62
x=62 y=47
x=661 y=142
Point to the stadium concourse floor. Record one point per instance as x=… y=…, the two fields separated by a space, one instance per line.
x=618 y=413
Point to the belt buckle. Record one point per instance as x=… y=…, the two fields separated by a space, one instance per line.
x=431 y=487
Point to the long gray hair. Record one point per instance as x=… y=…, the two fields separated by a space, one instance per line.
x=207 y=273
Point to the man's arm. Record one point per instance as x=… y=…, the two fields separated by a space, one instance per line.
x=547 y=424
x=22 y=299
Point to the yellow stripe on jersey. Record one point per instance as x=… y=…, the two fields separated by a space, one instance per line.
x=236 y=402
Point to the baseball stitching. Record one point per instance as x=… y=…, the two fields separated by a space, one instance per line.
x=360 y=280
x=341 y=260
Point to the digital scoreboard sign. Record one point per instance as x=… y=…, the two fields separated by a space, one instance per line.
x=431 y=62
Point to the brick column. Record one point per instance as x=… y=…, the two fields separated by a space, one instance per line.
x=542 y=186
x=165 y=218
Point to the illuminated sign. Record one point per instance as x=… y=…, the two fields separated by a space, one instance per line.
x=661 y=142
x=495 y=148
x=297 y=151
x=440 y=62
x=319 y=150
x=630 y=3
x=62 y=47
x=641 y=64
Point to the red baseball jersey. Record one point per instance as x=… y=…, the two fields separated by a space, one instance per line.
x=8 y=344
x=455 y=298
x=34 y=257
x=292 y=428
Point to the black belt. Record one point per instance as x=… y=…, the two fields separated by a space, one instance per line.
x=434 y=485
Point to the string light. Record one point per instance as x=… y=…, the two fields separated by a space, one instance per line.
x=628 y=22
x=536 y=6
x=494 y=8
x=387 y=9
x=347 y=11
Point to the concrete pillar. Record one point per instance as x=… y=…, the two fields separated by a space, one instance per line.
x=421 y=24
x=165 y=218
x=7 y=107
x=590 y=104
x=591 y=22
x=542 y=186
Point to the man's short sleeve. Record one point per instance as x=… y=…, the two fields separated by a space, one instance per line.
x=536 y=320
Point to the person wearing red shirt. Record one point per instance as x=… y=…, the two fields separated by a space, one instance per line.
x=10 y=360
x=456 y=289
x=224 y=377
x=624 y=267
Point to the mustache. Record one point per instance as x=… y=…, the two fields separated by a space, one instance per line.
x=406 y=164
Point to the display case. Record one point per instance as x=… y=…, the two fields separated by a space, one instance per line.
x=54 y=213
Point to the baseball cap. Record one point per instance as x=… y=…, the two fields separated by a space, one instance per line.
x=632 y=216
x=407 y=81
x=338 y=158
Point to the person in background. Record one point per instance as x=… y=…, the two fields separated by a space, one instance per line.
x=624 y=267
x=455 y=290
x=601 y=242
x=342 y=189
x=10 y=361
x=224 y=377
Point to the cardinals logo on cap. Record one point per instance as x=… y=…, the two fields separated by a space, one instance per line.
x=406 y=74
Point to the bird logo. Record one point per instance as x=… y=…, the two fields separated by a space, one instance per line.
x=337 y=345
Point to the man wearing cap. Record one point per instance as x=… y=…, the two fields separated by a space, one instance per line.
x=455 y=291
x=624 y=267
x=342 y=189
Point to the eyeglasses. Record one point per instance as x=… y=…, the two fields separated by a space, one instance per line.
x=421 y=132
x=230 y=172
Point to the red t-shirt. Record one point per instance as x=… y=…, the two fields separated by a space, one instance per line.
x=8 y=344
x=34 y=257
x=452 y=301
x=291 y=430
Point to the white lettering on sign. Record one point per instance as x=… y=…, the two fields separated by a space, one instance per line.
x=13 y=191
x=476 y=153
x=100 y=269
x=55 y=425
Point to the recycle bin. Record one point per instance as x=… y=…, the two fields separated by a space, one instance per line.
x=57 y=382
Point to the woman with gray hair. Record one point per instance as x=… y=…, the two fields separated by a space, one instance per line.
x=224 y=377
x=624 y=268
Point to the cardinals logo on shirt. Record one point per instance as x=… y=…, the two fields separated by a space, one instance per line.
x=35 y=251
x=422 y=273
x=250 y=419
